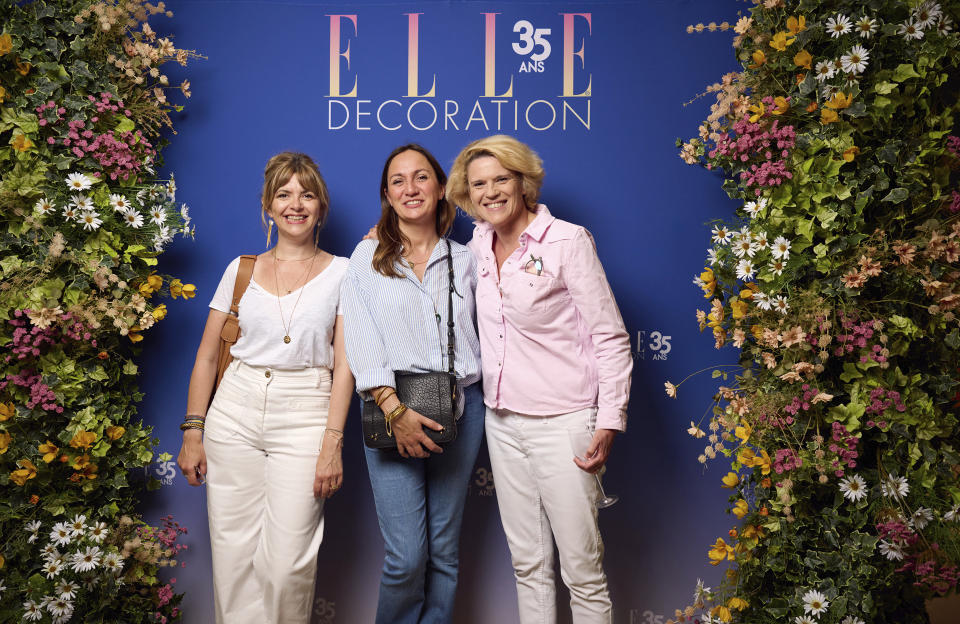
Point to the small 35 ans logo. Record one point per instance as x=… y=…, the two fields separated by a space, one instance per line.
x=482 y=483
x=164 y=469
x=533 y=42
x=638 y=616
x=324 y=611
x=655 y=341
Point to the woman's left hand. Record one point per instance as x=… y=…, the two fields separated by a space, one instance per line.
x=598 y=451
x=329 y=475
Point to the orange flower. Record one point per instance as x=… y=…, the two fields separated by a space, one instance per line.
x=21 y=143
x=803 y=59
x=5 y=440
x=781 y=104
x=759 y=58
x=83 y=439
x=850 y=153
x=134 y=334
x=6 y=44
x=828 y=116
x=720 y=551
x=730 y=481
x=115 y=432
x=34 y=499
x=103 y=355
x=7 y=411
x=796 y=24
x=26 y=472
x=812 y=106
x=781 y=40
x=49 y=450
x=840 y=101
x=23 y=68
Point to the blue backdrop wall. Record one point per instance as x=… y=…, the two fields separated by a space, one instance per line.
x=597 y=88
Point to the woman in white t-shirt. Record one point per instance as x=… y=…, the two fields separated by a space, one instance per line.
x=268 y=447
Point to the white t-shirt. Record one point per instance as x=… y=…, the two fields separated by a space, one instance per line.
x=261 y=329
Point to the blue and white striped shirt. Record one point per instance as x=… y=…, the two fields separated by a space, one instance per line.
x=400 y=324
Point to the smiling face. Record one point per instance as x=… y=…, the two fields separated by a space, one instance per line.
x=412 y=188
x=295 y=210
x=496 y=194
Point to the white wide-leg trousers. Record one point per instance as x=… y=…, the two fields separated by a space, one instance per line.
x=543 y=497
x=262 y=439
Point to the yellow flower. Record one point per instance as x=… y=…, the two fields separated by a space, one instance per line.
x=3 y=94
x=159 y=312
x=743 y=432
x=134 y=334
x=751 y=531
x=763 y=462
x=7 y=411
x=21 y=143
x=758 y=111
x=115 y=432
x=6 y=44
x=781 y=105
x=80 y=462
x=26 y=472
x=155 y=281
x=803 y=59
x=738 y=603
x=5 y=439
x=89 y=471
x=759 y=58
x=796 y=24
x=730 y=481
x=740 y=508
x=179 y=289
x=781 y=40
x=746 y=456
x=49 y=450
x=719 y=552
x=709 y=282
x=83 y=439
x=828 y=116
x=840 y=100
x=23 y=68
x=850 y=153
x=739 y=309
x=721 y=613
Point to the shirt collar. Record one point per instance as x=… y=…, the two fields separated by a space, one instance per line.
x=535 y=230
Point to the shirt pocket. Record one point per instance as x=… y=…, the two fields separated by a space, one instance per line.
x=540 y=294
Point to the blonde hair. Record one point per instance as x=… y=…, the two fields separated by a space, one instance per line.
x=512 y=155
x=278 y=172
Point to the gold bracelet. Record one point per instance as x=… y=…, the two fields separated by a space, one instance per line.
x=384 y=395
x=392 y=416
x=191 y=424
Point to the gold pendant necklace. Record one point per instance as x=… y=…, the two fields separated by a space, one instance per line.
x=276 y=276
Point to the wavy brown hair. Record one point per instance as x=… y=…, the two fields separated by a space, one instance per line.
x=278 y=172
x=388 y=228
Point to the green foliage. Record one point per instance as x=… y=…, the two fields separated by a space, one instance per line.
x=82 y=221
x=840 y=285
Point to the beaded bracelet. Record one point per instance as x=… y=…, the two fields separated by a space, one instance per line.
x=192 y=423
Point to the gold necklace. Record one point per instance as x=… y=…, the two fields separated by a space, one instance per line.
x=276 y=276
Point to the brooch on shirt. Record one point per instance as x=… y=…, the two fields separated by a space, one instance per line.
x=534 y=265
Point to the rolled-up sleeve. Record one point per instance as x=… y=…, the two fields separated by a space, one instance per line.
x=366 y=352
x=587 y=284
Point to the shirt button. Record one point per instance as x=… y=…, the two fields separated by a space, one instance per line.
x=267 y=374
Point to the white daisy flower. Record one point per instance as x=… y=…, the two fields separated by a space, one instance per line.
x=86 y=560
x=90 y=583
x=119 y=202
x=760 y=241
x=921 y=518
x=161 y=238
x=31 y=611
x=853 y=488
x=81 y=202
x=944 y=25
x=52 y=568
x=866 y=26
x=78 y=182
x=855 y=61
x=697 y=281
x=910 y=30
x=839 y=25
x=60 y=534
x=113 y=562
x=745 y=270
x=753 y=208
x=895 y=487
x=814 y=603
x=762 y=300
x=700 y=592
x=185 y=214
x=780 y=304
x=70 y=213
x=50 y=550
x=33 y=528
x=802 y=619
x=712 y=256
x=781 y=248
x=824 y=70
x=776 y=266
x=66 y=590
x=90 y=220
x=927 y=14
x=743 y=246
x=98 y=531
x=78 y=525
x=890 y=550
x=721 y=235
x=828 y=91
x=44 y=206
x=158 y=215
x=851 y=620
x=132 y=218
x=172 y=189
x=60 y=607
x=953 y=515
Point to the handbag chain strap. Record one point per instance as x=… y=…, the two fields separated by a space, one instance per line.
x=450 y=338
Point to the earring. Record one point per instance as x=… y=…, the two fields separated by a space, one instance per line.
x=269 y=231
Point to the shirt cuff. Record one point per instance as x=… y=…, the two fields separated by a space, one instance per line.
x=374 y=378
x=611 y=418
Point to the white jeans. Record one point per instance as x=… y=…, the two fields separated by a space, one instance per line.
x=543 y=497
x=262 y=439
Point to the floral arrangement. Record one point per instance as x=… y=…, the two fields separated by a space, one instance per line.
x=839 y=282
x=83 y=104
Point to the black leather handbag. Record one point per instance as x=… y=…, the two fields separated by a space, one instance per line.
x=432 y=394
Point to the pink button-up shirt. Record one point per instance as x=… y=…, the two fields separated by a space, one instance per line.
x=551 y=337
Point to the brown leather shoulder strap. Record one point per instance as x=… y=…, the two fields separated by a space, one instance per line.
x=244 y=273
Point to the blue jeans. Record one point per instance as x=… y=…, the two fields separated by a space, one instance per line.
x=420 y=509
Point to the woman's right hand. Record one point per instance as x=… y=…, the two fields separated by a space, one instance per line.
x=192 y=458
x=411 y=440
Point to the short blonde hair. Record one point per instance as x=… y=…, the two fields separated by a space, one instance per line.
x=512 y=154
x=278 y=172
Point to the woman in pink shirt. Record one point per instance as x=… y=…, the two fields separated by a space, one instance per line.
x=555 y=359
